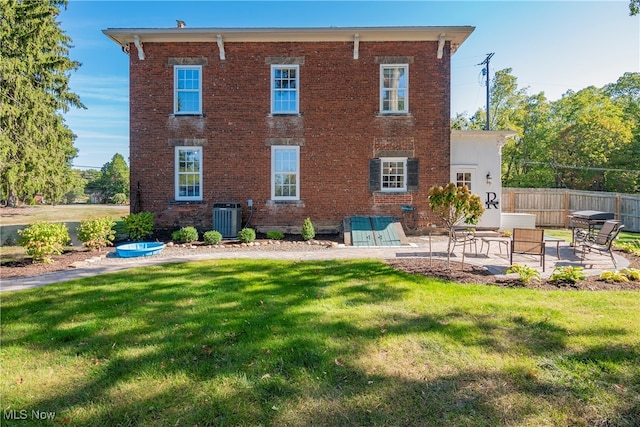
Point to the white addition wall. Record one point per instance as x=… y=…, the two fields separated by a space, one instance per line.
x=478 y=153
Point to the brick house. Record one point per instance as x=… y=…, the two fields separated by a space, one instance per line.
x=324 y=123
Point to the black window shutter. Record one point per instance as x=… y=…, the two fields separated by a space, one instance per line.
x=412 y=174
x=375 y=174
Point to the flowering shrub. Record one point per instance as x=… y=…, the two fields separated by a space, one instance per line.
x=97 y=233
x=43 y=239
x=139 y=225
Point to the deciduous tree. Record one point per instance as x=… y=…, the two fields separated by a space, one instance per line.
x=591 y=134
x=587 y=140
x=455 y=205
x=113 y=178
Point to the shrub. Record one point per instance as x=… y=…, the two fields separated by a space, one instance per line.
x=119 y=199
x=275 y=235
x=632 y=247
x=568 y=274
x=632 y=273
x=526 y=273
x=613 y=276
x=308 y=232
x=185 y=235
x=140 y=225
x=212 y=237
x=44 y=239
x=97 y=233
x=247 y=235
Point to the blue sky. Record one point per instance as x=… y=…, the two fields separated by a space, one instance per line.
x=552 y=47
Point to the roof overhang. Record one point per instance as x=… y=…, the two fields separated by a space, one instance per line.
x=456 y=35
x=499 y=136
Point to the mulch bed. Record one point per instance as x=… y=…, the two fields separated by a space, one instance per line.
x=474 y=274
x=25 y=267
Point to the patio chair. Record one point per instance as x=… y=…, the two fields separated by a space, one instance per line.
x=528 y=241
x=464 y=237
x=602 y=241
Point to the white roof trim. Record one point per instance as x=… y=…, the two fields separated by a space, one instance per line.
x=455 y=35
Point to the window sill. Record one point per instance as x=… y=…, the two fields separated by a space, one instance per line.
x=285 y=115
x=294 y=203
x=392 y=193
x=186 y=115
x=380 y=114
x=186 y=202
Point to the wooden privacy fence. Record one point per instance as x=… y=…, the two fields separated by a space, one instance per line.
x=551 y=206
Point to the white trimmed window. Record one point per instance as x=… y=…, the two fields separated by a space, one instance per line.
x=285 y=173
x=394 y=174
x=394 y=88
x=187 y=84
x=463 y=178
x=285 y=93
x=188 y=173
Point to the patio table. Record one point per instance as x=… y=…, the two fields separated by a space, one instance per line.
x=500 y=240
x=556 y=241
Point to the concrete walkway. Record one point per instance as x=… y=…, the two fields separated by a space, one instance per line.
x=493 y=257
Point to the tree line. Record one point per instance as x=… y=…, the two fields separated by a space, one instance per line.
x=586 y=140
x=108 y=185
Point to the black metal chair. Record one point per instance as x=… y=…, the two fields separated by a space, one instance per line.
x=602 y=241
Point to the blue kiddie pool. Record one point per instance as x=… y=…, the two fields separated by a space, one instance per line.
x=131 y=250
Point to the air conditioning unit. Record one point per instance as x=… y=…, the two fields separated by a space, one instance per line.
x=227 y=218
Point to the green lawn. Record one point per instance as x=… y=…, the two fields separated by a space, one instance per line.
x=324 y=343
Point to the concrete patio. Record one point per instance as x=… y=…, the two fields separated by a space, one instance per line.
x=493 y=254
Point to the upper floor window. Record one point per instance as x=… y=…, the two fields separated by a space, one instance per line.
x=394 y=88
x=285 y=173
x=188 y=173
x=187 y=83
x=285 y=93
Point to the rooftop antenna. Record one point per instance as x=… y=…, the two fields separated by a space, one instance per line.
x=487 y=126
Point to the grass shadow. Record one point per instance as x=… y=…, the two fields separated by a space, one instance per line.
x=293 y=343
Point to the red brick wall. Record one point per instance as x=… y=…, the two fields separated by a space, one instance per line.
x=339 y=121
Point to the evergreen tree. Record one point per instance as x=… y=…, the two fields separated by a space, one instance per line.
x=36 y=146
